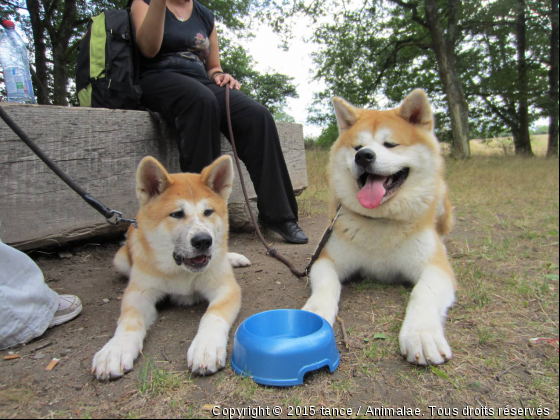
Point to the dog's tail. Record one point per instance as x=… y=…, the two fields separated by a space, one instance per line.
x=445 y=220
x=123 y=260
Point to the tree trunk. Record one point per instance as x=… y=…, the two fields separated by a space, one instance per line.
x=445 y=56
x=522 y=142
x=60 y=78
x=60 y=38
x=520 y=139
x=41 y=74
x=553 y=82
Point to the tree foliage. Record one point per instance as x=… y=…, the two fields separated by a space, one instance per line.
x=374 y=52
x=270 y=89
x=382 y=49
x=509 y=60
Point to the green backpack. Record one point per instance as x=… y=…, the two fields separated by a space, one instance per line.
x=107 y=68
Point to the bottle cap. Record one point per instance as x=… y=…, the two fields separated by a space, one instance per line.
x=9 y=24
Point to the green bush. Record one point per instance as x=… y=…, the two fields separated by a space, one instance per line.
x=328 y=136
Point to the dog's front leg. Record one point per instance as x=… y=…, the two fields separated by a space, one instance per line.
x=207 y=353
x=422 y=338
x=325 y=290
x=138 y=312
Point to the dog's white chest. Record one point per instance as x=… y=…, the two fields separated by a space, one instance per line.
x=382 y=250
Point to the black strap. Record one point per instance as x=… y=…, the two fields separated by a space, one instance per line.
x=158 y=122
x=121 y=37
x=133 y=92
x=97 y=205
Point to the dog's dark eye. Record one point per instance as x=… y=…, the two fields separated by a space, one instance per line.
x=208 y=212
x=390 y=145
x=178 y=214
x=358 y=148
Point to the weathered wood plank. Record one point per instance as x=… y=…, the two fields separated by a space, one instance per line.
x=100 y=149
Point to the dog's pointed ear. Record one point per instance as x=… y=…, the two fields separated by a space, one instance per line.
x=219 y=176
x=416 y=110
x=151 y=179
x=346 y=114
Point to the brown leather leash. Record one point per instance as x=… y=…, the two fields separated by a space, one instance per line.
x=271 y=250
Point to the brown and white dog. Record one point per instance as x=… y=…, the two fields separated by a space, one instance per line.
x=179 y=250
x=387 y=172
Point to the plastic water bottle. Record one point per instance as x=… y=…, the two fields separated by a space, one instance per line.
x=14 y=62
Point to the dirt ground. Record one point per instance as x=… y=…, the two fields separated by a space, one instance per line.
x=89 y=274
x=507 y=269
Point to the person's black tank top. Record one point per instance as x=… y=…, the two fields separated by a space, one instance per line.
x=186 y=45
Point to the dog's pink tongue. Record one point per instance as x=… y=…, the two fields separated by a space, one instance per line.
x=373 y=192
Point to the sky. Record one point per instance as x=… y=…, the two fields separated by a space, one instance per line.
x=296 y=62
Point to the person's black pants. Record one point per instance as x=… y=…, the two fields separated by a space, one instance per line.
x=196 y=107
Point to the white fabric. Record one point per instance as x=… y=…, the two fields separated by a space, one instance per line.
x=27 y=304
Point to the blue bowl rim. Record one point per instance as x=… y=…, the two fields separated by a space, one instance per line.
x=242 y=325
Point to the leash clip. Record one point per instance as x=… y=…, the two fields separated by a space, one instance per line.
x=119 y=219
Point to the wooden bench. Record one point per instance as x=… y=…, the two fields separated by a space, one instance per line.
x=100 y=150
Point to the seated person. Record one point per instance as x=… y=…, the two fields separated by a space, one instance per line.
x=181 y=77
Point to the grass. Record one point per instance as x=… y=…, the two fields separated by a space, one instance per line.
x=17 y=395
x=501 y=146
x=152 y=380
x=314 y=200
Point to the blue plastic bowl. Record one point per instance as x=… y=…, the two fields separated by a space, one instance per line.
x=277 y=348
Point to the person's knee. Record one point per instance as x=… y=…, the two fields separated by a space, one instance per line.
x=209 y=102
x=202 y=100
x=259 y=110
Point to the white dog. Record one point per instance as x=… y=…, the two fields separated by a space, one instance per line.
x=180 y=250
x=386 y=171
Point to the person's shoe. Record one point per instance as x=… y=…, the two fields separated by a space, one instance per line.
x=69 y=307
x=290 y=231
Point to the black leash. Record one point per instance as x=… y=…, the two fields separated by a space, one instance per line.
x=271 y=250
x=96 y=204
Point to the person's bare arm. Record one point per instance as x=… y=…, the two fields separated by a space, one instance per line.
x=149 y=22
x=213 y=67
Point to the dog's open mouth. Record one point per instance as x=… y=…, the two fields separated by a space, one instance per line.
x=198 y=262
x=375 y=188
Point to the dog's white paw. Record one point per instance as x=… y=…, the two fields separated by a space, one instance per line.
x=207 y=354
x=238 y=260
x=116 y=358
x=327 y=310
x=424 y=343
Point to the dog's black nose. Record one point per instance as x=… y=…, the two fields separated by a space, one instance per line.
x=365 y=157
x=202 y=242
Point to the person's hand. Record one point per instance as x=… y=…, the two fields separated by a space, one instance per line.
x=224 y=79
